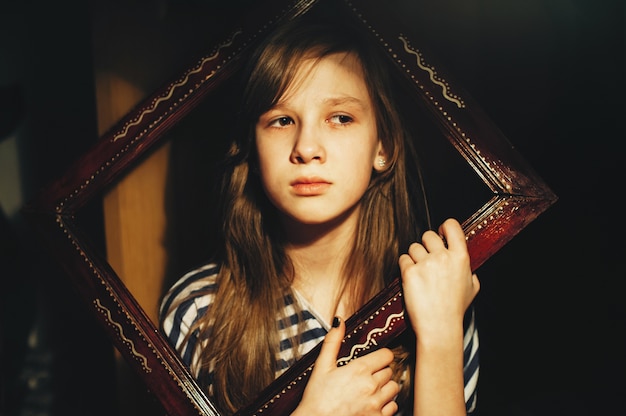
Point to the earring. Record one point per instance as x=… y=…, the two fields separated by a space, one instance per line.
x=381 y=162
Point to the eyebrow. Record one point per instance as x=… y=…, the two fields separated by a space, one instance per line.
x=344 y=100
x=332 y=101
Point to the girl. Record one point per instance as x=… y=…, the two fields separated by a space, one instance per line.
x=315 y=213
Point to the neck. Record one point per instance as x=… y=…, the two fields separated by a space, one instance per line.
x=319 y=253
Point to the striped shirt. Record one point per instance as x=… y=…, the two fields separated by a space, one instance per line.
x=180 y=309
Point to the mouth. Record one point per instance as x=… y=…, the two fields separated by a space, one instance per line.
x=310 y=186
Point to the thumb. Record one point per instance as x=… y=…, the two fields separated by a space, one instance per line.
x=327 y=358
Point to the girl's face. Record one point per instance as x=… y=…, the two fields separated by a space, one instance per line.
x=317 y=147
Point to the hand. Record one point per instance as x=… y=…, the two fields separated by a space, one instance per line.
x=438 y=283
x=361 y=387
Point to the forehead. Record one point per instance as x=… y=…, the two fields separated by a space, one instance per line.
x=341 y=72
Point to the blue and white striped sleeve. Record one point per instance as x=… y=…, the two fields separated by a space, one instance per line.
x=470 y=360
x=187 y=301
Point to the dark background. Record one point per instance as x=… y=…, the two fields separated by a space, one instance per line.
x=551 y=311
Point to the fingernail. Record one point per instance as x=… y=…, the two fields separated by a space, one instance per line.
x=336 y=322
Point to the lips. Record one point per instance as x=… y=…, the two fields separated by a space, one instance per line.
x=310 y=186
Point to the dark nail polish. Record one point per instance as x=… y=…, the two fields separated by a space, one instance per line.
x=336 y=322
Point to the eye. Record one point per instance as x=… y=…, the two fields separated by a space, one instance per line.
x=281 y=122
x=340 y=119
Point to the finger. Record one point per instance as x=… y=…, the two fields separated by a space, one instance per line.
x=376 y=361
x=389 y=391
x=417 y=251
x=432 y=241
x=390 y=408
x=405 y=261
x=383 y=376
x=454 y=235
x=327 y=358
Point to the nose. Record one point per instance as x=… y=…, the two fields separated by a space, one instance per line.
x=308 y=146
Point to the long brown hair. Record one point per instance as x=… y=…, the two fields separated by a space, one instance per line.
x=255 y=273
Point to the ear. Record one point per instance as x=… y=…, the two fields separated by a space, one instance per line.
x=380 y=161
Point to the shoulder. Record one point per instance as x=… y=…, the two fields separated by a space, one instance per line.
x=202 y=278
x=188 y=299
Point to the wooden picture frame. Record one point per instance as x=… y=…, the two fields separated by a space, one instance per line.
x=513 y=193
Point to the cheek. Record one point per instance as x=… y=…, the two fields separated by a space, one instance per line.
x=359 y=172
x=265 y=155
x=266 y=173
x=269 y=173
x=368 y=157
